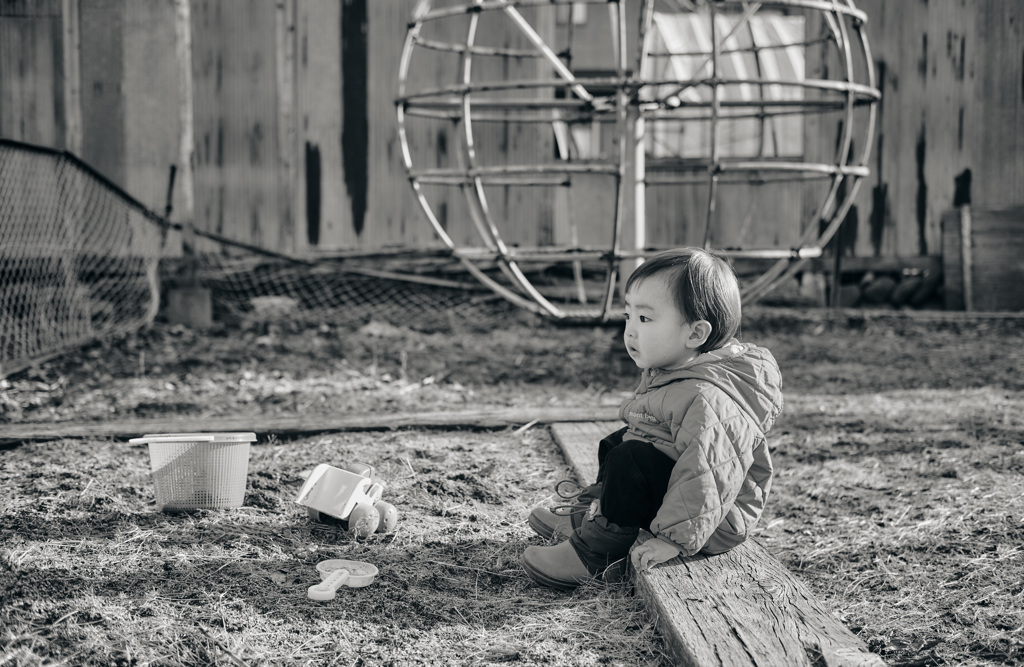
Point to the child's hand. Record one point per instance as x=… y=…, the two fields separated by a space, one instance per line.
x=652 y=552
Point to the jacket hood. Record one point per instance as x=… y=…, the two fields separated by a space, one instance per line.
x=748 y=373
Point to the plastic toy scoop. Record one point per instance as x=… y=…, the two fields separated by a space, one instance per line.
x=338 y=572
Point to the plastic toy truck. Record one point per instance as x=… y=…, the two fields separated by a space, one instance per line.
x=350 y=495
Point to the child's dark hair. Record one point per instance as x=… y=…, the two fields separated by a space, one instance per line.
x=704 y=287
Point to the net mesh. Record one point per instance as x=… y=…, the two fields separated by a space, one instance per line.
x=81 y=260
x=249 y=286
x=78 y=260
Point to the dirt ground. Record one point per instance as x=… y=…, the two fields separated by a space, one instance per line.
x=899 y=496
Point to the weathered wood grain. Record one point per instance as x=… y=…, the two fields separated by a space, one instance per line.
x=299 y=425
x=744 y=608
x=578 y=441
x=997 y=241
x=738 y=609
x=996 y=246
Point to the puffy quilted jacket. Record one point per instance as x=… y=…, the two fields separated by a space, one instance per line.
x=710 y=417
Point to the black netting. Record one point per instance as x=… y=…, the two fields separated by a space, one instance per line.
x=81 y=260
x=78 y=261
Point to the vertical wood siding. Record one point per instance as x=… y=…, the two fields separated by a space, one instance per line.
x=152 y=104
x=31 y=96
x=323 y=206
x=271 y=167
x=952 y=78
x=238 y=189
x=103 y=67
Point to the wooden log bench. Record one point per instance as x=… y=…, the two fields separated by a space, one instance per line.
x=741 y=608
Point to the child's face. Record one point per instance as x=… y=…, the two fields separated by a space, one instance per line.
x=656 y=334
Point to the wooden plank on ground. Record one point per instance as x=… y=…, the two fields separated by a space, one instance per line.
x=741 y=608
x=578 y=441
x=299 y=425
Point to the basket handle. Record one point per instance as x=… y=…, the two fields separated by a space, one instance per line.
x=172 y=438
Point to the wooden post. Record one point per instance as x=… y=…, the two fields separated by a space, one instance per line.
x=183 y=53
x=287 y=142
x=966 y=256
x=189 y=303
x=186 y=145
x=639 y=186
x=952 y=265
x=631 y=155
x=71 y=27
x=78 y=307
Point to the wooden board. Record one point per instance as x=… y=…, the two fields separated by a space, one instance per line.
x=997 y=244
x=741 y=608
x=744 y=608
x=300 y=425
x=994 y=259
x=952 y=261
x=30 y=74
x=579 y=445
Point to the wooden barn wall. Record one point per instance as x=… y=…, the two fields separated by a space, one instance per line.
x=273 y=86
x=103 y=65
x=321 y=201
x=526 y=211
x=239 y=187
x=31 y=72
x=394 y=217
x=825 y=132
x=952 y=79
x=152 y=105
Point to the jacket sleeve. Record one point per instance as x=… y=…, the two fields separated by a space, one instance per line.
x=715 y=443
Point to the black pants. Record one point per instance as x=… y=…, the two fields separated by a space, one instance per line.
x=634 y=478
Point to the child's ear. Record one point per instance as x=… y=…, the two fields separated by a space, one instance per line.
x=699 y=335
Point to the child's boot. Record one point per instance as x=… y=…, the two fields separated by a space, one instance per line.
x=559 y=522
x=596 y=550
x=557 y=567
x=604 y=546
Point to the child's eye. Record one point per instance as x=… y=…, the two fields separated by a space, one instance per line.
x=626 y=315
x=644 y=318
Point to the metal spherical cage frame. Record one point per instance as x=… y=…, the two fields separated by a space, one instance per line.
x=732 y=79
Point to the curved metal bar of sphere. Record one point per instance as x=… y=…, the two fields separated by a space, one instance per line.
x=476 y=198
x=472 y=176
x=461 y=104
x=785 y=269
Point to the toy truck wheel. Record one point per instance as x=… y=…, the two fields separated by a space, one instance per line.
x=363 y=520
x=388 y=516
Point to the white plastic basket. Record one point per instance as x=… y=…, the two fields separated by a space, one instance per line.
x=198 y=470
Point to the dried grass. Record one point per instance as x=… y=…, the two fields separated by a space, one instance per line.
x=899 y=498
x=909 y=522
x=96 y=576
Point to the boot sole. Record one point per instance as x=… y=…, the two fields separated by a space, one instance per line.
x=540 y=527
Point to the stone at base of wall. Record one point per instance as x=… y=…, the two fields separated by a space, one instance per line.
x=911 y=288
x=191 y=306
